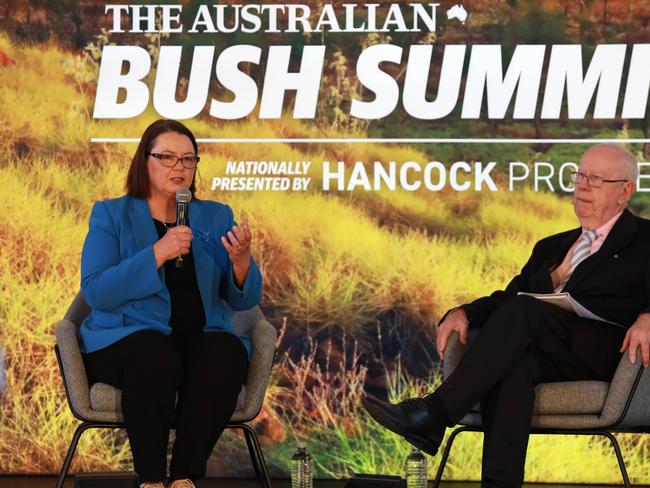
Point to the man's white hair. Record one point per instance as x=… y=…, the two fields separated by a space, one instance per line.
x=623 y=156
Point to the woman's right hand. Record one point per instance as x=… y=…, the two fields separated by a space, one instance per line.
x=175 y=242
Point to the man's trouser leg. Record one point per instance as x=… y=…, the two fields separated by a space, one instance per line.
x=506 y=412
x=523 y=343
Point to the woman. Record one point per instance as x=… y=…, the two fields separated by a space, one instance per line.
x=157 y=330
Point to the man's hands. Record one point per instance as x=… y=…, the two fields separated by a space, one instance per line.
x=457 y=320
x=638 y=336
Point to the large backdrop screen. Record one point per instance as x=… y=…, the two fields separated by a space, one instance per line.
x=394 y=160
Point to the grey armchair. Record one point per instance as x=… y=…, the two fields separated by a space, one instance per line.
x=99 y=406
x=574 y=407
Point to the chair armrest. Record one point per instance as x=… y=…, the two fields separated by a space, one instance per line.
x=3 y=377
x=244 y=321
x=628 y=397
x=263 y=335
x=626 y=405
x=72 y=367
x=455 y=352
x=78 y=310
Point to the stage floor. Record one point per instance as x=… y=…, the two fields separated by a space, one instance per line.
x=48 y=482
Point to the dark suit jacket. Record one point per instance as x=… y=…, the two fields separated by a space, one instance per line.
x=613 y=283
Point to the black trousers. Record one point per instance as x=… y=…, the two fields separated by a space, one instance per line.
x=523 y=343
x=205 y=370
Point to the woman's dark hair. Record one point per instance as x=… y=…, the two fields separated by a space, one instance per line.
x=137 y=179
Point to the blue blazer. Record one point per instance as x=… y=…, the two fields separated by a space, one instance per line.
x=126 y=292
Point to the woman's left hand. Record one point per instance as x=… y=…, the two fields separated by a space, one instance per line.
x=238 y=244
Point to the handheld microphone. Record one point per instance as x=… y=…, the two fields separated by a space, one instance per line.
x=183 y=198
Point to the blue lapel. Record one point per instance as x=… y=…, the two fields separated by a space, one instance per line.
x=202 y=243
x=144 y=229
x=145 y=234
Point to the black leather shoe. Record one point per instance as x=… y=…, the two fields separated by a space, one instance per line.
x=410 y=419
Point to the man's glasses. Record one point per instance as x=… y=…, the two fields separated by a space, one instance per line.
x=593 y=180
x=171 y=160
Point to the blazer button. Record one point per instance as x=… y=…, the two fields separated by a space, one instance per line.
x=615 y=256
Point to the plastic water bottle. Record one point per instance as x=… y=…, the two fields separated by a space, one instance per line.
x=416 y=470
x=302 y=468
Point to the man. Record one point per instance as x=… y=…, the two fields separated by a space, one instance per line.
x=604 y=265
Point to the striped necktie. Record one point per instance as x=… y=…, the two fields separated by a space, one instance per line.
x=581 y=252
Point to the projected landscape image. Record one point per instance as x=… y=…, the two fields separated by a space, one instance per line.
x=354 y=281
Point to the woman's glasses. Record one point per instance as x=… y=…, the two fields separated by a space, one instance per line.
x=171 y=160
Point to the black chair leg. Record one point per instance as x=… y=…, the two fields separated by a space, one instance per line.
x=445 y=454
x=71 y=450
x=265 y=479
x=619 y=457
x=75 y=440
x=609 y=435
x=252 y=453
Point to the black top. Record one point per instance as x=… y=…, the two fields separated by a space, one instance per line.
x=188 y=315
